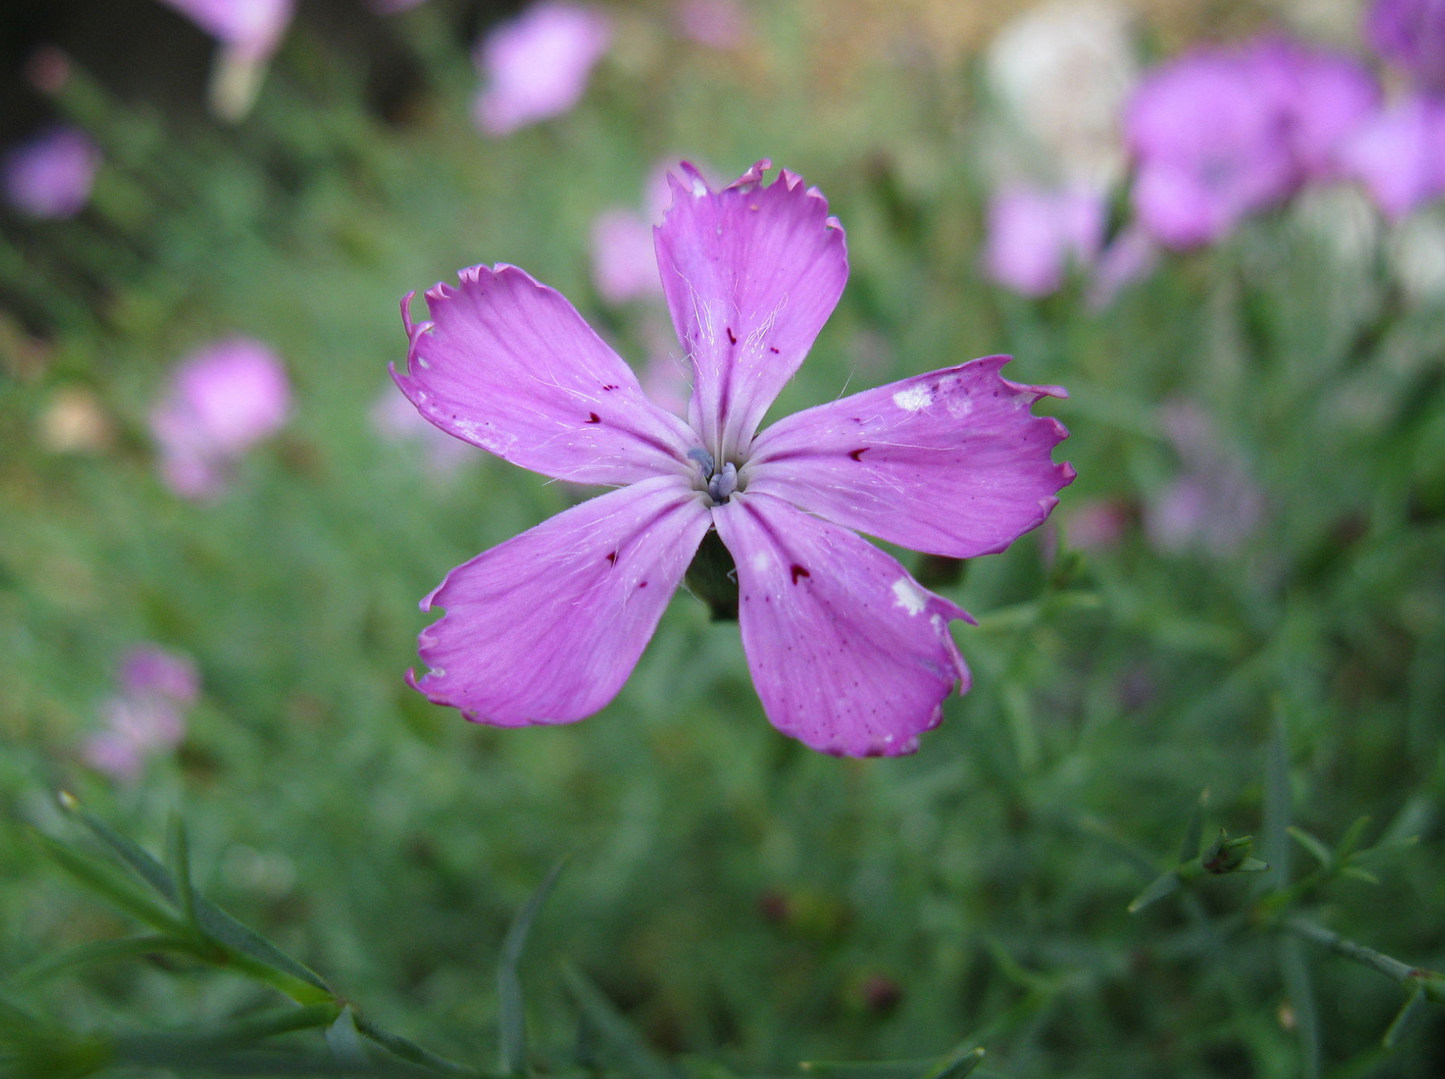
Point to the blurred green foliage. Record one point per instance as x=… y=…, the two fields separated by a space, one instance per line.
x=738 y=899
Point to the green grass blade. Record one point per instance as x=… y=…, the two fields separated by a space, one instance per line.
x=513 y=1018
x=638 y=1059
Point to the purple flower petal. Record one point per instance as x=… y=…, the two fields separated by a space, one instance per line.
x=546 y=627
x=951 y=462
x=624 y=265
x=149 y=670
x=51 y=175
x=509 y=365
x=1399 y=155
x=1411 y=35
x=537 y=65
x=751 y=273
x=1034 y=236
x=848 y=653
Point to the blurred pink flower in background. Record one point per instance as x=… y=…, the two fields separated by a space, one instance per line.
x=51 y=175
x=718 y=24
x=537 y=65
x=1220 y=133
x=250 y=28
x=1035 y=236
x=623 y=264
x=147 y=715
x=248 y=31
x=1131 y=256
x=395 y=419
x=222 y=400
x=1399 y=155
x=1411 y=35
x=1213 y=506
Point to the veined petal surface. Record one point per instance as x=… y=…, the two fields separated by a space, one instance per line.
x=546 y=627
x=951 y=462
x=751 y=273
x=509 y=365
x=849 y=654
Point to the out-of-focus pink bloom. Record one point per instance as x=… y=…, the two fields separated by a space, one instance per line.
x=1034 y=236
x=252 y=28
x=1213 y=506
x=718 y=24
x=1097 y=525
x=147 y=715
x=396 y=421
x=1131 y=256
x=51 y=175
x=1399 y=155
x=149 y=670
x=1220 y=133
x=1411 y=35
x=848 y=652
x=624 y=266
x=537 y=65
x=222 y=400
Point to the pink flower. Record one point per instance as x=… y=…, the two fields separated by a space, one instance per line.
x=848 y=652
x=537 y=65
x=51 y=175
x=146 y=716
x=222 y=400
x=250 y=28
x=1035 y=236
x=1411 y=35
x=623 y=264
x=1213 y=505
x=1399 y=154
x=1221 y=133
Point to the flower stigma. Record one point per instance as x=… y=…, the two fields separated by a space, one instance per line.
x=719 y=483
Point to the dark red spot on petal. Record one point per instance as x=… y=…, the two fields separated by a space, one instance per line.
x=857 y=454
x=612 y=557
x=592 y=417
x=799 y=571
x=732 y=336
x=610 y=386
x=773 y=350
x=641 y=584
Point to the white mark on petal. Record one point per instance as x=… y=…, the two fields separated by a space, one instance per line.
x=909 y=596
x=913 y=399
x=699 y=189
x=761 y=561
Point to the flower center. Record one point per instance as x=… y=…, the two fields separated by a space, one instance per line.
x=719 y=483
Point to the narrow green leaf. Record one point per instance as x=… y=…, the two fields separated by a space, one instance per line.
x=1277 y=803
x=1194 y=830
x=345 y=1042
x=407 y=1050
x=1354 y=872
x=1313 y=845
x=106 y=883
x=100 y=951
x=614 y=1029
x=214 y=922
x=1163 y=886
x=1406 y=1015
x=179 y=854
x=1300 y=988
x=1350 y=841
x=960 y=1066
x=869 y=1069
x=513 y=1013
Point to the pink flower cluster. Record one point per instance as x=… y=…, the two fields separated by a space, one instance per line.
x=222 y=400
x=147 y=714
x=51 y=175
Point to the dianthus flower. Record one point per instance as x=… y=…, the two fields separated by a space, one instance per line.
x=1034 y=236
x=1221 y=133
x=147 y=715
x=536 y=66
x=848 y=652
x=222 y=400
x=1411 y=35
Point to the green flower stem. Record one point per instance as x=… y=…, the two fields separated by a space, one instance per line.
x=1412 y=979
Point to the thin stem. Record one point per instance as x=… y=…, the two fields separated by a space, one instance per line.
x=1413 y=979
